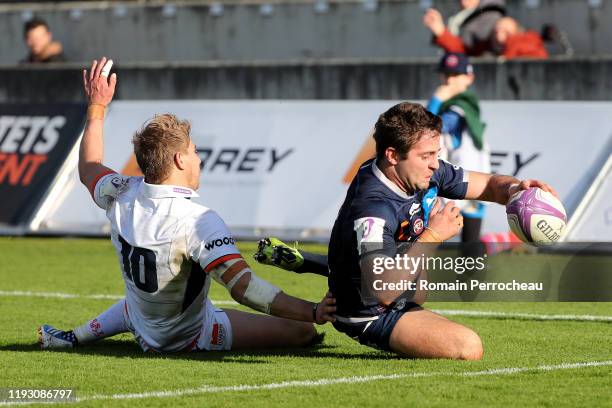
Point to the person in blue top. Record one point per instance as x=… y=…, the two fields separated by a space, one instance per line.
x=463 y=141
x=392 y=209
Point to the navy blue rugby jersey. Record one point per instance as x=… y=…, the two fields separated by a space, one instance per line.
x=376 y=210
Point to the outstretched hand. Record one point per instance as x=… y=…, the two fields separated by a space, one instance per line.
x=99 y=88
x=527 y=184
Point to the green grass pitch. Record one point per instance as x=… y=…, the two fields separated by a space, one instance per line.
x=339 y=372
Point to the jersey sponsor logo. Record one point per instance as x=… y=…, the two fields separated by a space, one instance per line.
x=219 y=243
x=181 y=190
x=369 y=231
x=418 y=226
x=217 y=337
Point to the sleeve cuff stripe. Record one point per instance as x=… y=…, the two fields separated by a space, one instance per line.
x=220 y=260
x=92 y=186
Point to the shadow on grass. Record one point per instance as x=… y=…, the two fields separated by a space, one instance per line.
x=129 y=348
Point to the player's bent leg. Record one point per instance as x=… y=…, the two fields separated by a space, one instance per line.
x=251 y=330
x=107 y=324
x=425 y=334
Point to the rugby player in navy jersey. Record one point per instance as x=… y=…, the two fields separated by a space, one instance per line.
x=393 y=200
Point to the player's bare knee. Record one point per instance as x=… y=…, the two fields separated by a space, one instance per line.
x=471 y=346
x=309 y=333
x=302 y=333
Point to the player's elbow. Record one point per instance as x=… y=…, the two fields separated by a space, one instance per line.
x=87 y=172
x=82 y=177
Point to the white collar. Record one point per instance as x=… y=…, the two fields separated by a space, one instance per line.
x=166 y=191
x=391 y=185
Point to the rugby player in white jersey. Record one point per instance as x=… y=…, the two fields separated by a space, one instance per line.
x=169 y=248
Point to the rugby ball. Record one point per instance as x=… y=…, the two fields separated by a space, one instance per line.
x=536 y=216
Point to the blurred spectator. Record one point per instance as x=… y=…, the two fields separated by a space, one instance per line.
x=556 y=40
x=39 y=41
x=516 y=42
x=462 y=140
x=471 y=30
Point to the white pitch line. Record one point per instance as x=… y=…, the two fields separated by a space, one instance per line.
x=57 y=295
x=207 y=389
x=446 y=312
x=524 y=316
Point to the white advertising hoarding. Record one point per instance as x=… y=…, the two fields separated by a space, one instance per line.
x=281 y=165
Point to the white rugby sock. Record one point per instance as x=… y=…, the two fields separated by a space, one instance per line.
x=108 y=324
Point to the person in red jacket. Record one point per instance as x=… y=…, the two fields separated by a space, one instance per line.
x=517 y=42
x=470 y=31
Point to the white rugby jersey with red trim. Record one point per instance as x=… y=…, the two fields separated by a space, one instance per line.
x=166 y=244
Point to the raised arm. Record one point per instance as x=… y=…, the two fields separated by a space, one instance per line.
x=99 y=90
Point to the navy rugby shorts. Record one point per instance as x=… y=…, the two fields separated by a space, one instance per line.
x=374 y=331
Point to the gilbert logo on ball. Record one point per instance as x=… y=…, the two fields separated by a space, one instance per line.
x=536 y=217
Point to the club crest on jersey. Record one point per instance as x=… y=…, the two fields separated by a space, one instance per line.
x=116 y=185
x=119 y=182
x=418 y=226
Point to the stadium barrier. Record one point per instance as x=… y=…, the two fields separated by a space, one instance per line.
x=371 y=79
x=283 y=166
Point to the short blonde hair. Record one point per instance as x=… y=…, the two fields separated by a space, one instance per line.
x=156 y=143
